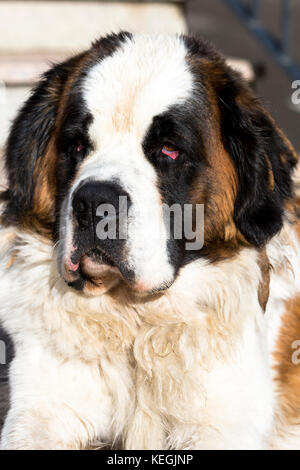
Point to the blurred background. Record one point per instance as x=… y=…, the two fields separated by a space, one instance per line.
x=259 y=37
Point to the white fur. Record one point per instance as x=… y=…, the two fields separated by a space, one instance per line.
x=189 y=369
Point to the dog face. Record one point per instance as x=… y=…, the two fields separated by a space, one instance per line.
x=137 y=124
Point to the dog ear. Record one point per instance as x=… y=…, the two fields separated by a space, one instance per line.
x=263 y=157
x=28 y=141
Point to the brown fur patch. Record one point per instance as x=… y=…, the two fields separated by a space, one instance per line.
x=216 y=187
x=271 y=179
x=287 y=361
x=40 y=217
x=288 y=345
x=43 y=205
x=12 y=260
x=264 y=285
x=122 y=117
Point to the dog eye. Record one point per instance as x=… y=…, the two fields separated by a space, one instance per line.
x=79 y=148
x=170 y=152
x=77 y=151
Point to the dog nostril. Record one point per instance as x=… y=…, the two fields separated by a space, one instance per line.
x=80 y=207
x=90 y=203
x=81 y=211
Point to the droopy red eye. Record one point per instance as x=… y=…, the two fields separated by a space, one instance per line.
x=79 y=148
x=170 y=152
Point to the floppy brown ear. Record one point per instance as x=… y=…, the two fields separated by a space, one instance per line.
x=263 y=157
x=28 y=142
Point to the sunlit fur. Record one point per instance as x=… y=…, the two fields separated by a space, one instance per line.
x=193 y=367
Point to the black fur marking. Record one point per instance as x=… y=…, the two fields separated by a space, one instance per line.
x=252 y=140
x=176 y=177
x=29 y=137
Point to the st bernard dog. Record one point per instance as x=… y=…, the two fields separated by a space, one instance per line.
x=141 y=343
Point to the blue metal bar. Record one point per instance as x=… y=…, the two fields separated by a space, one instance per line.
x=280 y=51
x=255 y=9
x=286 y=27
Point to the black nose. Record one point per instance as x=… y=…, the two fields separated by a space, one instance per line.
x=91 y=196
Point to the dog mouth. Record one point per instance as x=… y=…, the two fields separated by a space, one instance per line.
x=95 y=264
x=96 y=258
x=90 y=269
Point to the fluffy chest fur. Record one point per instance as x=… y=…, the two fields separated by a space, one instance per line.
x=194 y=356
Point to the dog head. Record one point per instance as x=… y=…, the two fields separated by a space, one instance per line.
x=113 y=138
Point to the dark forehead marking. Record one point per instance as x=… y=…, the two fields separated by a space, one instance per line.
x=75 y=114
x=200 y=47
x=206 y=64
x=181 y=123
x=102 y=48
